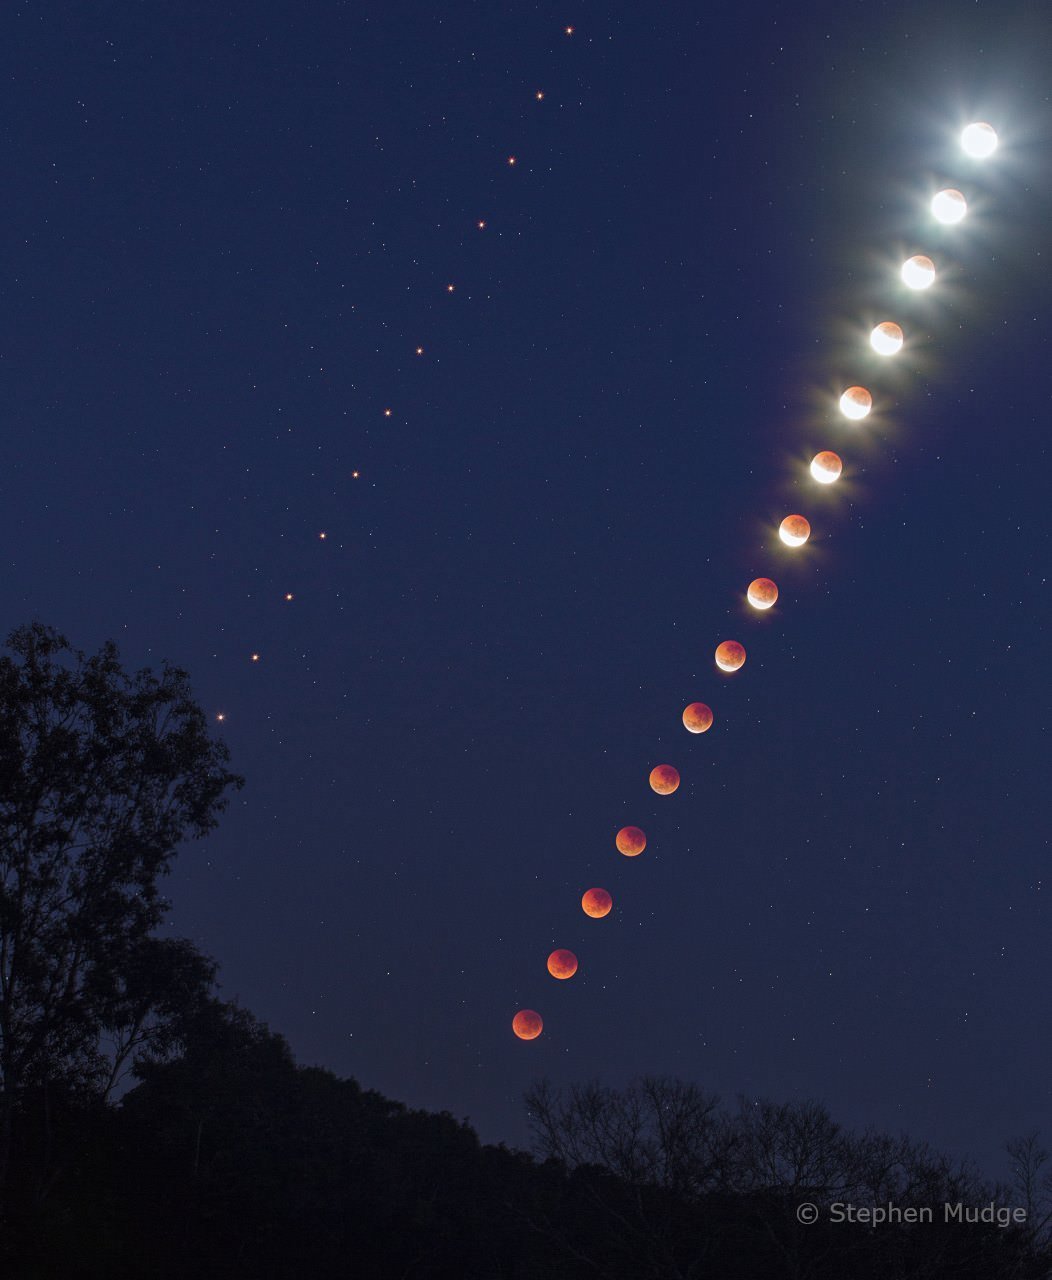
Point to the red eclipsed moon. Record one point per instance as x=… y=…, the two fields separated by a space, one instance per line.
x=794 y=531
x=562 y=964
x=762 y=593
x=597 y=903
x=664 y=779
x=730 y=655
x=697 y=717
x=527 y=1024
x=826 y=466
x=631 y=841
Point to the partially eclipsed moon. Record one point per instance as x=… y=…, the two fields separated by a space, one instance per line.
x=596 y=903
x=918 y=272
x=826 y=467
x=979 y=140
x=664 y=779
x=794 y=531
x=698 y=717
x=631 y=841
x=730 y=655
x=949 y=206
x=527 y=1024
x=562 y=964
x=762 y=593
x=855 y=403
x=886 y=338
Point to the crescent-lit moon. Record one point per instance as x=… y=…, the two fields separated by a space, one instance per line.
x=948 y=206
x=664 y=779
x=631 y=841
x=697 y=717
x=596 y=903
x=826 y=466
x=918 y=272
x=886 y=338
x=562 y=964
x=527 y=1024
x=794 y=531
x=855 y=403
x=730 y=655
x=979 y=140
x=762 y=593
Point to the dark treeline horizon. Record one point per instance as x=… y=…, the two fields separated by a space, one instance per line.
x=150 y=1127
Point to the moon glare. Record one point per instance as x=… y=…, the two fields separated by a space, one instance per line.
x=855 y=403
x=918 y=272
x=886 y=339
x=596 y=903
x=730 y=655
x=794 y=531
x=527 y=1024
x=948 y=206
x=826 y=467
x=664 y=779
x=979 y=140
x=631 y=841
x=697 y=717
x=562 y=964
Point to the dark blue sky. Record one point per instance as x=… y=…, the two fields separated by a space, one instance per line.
x=229 y=227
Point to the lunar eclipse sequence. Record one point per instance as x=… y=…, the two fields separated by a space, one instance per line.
x=918 y=273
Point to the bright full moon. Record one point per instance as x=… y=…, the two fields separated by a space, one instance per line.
x=979 y=140
x=949 y=206
x=918 y=272
x=886 y=339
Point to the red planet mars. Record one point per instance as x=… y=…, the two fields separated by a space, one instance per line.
x=730 y=655
x=697 y=717
x=596 y=903
x=631 y=841
x=527 y=1024
x=562 y=964
x=664 y=779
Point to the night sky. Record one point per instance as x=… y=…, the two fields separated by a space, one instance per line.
x=230 y=227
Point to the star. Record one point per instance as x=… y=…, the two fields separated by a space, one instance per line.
x=289 y=595
x=539 y=95
x=511 y=159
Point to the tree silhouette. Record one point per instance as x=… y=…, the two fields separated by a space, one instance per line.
x=102 y=775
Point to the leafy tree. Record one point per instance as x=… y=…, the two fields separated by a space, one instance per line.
x=102 y=775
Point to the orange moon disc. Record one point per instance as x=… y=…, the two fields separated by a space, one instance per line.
x=527 y=1024
x=730 y=655
x=794 y=531
x=762 y=593
x=664 y=779
x=697 y=717
x=826 y=466
x=562 y=964
x=855 y=403
x=631 y=841
x=886 y=338
x=596 y=903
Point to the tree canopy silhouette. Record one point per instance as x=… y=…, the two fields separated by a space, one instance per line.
x=102 y=775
